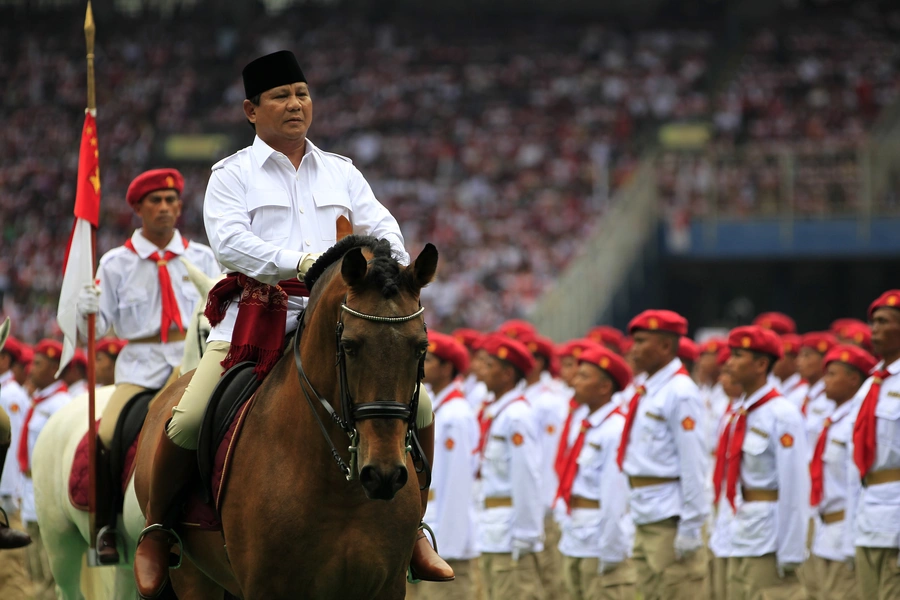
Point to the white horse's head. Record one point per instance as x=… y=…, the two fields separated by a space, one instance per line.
x=199 y=327
x=4 y=332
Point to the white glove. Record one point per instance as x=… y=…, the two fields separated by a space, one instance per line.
x=686 y=546
x=88 y=302
x=604 y=567
x=306 y=261
x=786 y=568
x=520 y=548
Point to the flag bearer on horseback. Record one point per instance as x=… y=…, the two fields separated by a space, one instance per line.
x=142 y=292
x=270 y=210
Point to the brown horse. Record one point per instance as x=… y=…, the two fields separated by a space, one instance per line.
x=295 y=521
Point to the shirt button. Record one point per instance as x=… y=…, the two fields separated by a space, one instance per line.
x=306 y=242
x=301 y=210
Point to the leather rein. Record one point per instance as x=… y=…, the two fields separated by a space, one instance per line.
x=351 y=413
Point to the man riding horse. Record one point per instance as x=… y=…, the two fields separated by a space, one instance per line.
x=270 y=211
x=144 y=294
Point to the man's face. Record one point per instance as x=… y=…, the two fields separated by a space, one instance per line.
x=105 y=368
x=809 y=364
x=159 y=211
x=785 y=366
x=731 y=388
x=707 y=369
x=284 y=113
x=743 y=367
x=590 y=384
x=650 y=350
x=495 y=375
x=437 y=371
x=568 y=366
x=841 y=381
x=886 y=331
x=43 y=371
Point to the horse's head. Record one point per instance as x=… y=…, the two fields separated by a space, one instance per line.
x=381 y=341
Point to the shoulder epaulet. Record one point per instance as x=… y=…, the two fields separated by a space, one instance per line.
x=229 y=159
x=340 y=156
x=111 y=254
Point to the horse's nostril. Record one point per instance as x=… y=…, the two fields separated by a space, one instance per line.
x=369 y=478
x=401 y=476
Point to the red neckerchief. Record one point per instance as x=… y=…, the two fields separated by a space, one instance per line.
x=570 y=470
x=722 y=454
x=562 y=449
x=864 y=429
x=455 y=394
x=170 y=311
x=817 y=464
x=736 y=443
x=486 y=422
x=23 y=438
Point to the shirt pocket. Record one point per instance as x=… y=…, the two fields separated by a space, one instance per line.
x=495 y=457
x=835 y=451
x=754 y=448
x=270 y=214
x=888 y=421
x=654 y=429
x=590 y=464
x=134 y=303
x=331 y=203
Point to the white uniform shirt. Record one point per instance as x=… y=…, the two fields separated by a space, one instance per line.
x=599 y=533
x=131 y=303
x=775 y=457
x=511 y=468
x=874 y=511
x=668 y=439
x=42 y=413
x=451 y=513
x=15 y=401
x=551 y=411
x=794 y=389
x=261 y=214
x=818 y=408
x=78 y=388
x=829 y=540
x=475 y=391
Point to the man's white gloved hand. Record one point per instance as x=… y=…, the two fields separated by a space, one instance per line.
x=786 y=568
x=306 y=261
x=686 y=546
x=604 y=567
x=88 y=302
x=520 y=548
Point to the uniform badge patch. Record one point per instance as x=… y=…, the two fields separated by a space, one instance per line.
x=517 y=439
x=449 y=444
x=688 y=424
x=787 y=440
x=551 y=429
x=14 y=408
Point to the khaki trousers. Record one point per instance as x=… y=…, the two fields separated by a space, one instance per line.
x=878 y=573
x=837 y=580
x=43 y=586
x=584 y=583
x=5 y=430
x=659 y=575
x=120 y=397
x=461 y=588
x=505 y=579
x=719 y=586
x=187 y=416
x=809 y=572
x=756 y=578
x=15 y=583
x=550 y=560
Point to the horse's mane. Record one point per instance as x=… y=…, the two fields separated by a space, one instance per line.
x=384 y=271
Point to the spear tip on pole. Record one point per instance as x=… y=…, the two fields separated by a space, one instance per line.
x=89 y=28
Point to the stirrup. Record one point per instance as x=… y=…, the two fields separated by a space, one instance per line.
x=120 y=541
x=423 y=527
x=173 y=533
x=5 y=518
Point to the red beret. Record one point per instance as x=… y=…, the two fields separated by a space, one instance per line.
x=838 y=324
x=538 y=345
x=608 y=336
x=858 y=333
x=659 y=320
x=852 y=355
x=27 y=354
x=575 y=348
x=151 y=181
x=517 y=329
x=889 y=299
x=111 y=346
x=610 y=362
x=688 y=349
x=627 y=343
x=778 y=322
x=753 y=337
x=510 y=350
x=79 y=359
x=717 y=346
x=791 y=342
x=820 y=341
x=470 y=338
x=13 y=347
x=49 y=348
x=447 y=348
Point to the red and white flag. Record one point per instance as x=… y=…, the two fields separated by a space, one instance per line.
x=78 y=267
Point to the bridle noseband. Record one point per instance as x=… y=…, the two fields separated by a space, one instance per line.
x=351 y=413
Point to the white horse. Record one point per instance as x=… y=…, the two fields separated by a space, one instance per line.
x=65 y=530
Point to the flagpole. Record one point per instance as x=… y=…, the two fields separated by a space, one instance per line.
x=89 y=31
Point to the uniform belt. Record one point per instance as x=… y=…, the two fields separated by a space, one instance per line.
x=580 y=502
x=430 y=494
x=833 y=517
x=174 y=336
x=882 y=476
x=759 y=495
x=497 y=502
x=639 y=481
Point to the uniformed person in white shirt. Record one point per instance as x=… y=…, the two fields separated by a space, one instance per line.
x=451 y=503
x=270 y=210
x=473 y=389
x=874 y=506
x=767 y=467
x=511 y=524
x=75 y=374
x=593 y=492
x=14 y=404
x=664 y=454
x=105 y=357
x=144 y=294
x=846 y=368
x=785 y=375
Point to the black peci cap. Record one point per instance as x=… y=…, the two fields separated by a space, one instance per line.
x=271 y=71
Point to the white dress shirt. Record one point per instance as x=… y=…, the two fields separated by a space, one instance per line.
x=42 y=413
x=599 y=533
x=475 y=391
x=15 y=401
x=451 y=513
x=551 y=411
x=668 y=439
x=874 y=510
x=261 y=215
x=790 y=387
x=775 y=457
x=818 y=408
x=829 y=540
x=511 y=468
x=131 y=303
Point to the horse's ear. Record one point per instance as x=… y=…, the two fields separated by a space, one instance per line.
x=353 y=267
x=425 y=266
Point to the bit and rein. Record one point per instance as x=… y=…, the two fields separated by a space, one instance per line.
x=351 y=413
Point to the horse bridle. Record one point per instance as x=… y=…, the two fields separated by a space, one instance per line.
x=351 y=413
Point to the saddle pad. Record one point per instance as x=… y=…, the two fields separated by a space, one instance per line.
x=79 y=489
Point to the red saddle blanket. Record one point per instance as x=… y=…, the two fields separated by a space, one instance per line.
x=197 y=512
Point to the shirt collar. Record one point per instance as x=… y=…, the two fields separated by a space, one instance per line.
x=816 y=389
x=510 y=396
x=757 y=396
x=145 y=247
x=5 y=378
x=262 y=151
x=791 y=382
x=842 y=411
x=601 y=413
x=440 y=397
x=892 y=368
x=663 y=375
x=49 y=390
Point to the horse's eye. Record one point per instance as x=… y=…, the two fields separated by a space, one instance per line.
x=349 y=348
x=422 y=351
